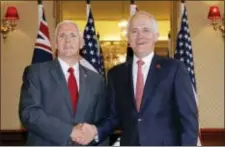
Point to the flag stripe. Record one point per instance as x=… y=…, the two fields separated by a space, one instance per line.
x=43 y=46
x=46 y=43
x=44 y=29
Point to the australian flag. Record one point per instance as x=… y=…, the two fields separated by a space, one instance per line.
x=92 y=52
x=183 y=50
x=42 y=50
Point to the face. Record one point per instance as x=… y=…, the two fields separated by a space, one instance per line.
x=142 y=36
x=68 y=41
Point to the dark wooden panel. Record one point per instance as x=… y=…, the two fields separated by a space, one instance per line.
x=13 y=137
x=209 y=137
x=213 y=136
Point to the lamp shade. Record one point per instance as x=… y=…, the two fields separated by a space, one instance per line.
x=11 y=13
x=214 y=13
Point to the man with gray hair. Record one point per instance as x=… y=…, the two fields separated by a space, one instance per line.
x=151 y=97
x=57 y=96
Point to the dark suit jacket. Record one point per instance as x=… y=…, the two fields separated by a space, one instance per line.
x=168 y=113
x=45 y=106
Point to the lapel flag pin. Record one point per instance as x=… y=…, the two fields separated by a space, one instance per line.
x=158 y=66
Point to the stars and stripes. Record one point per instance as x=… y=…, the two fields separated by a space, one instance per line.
x=42 y=50
x=183 y=50
x=184 y=53
x=101 y=56
x=92 y=51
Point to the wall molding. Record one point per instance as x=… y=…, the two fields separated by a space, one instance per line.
x=13 y=137
x=213 y=136
x=209 y=137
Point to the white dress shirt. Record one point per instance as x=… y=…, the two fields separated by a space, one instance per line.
x=145 y=68
x=65 y=68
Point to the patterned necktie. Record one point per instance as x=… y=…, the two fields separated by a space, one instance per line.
x=72 y=85
x=139 y=84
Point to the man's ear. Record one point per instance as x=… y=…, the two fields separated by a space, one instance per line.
x=81 y=42
x=56 y=45
x=55 y=42
x=128 y=38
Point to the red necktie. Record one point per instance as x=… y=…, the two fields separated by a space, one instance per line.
x=72 y=85
x=139 y=84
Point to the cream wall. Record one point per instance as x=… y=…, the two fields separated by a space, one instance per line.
x=16 y=53
x=208 y=45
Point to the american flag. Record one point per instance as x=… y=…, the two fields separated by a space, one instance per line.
x=91 y=51
x=101 y=60
x=184 y=53
x=101 y=55
x=42 y=50
x=183 y=50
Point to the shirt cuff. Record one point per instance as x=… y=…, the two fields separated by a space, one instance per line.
x=96 y=138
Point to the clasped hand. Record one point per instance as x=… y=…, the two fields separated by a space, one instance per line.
x=83 y=133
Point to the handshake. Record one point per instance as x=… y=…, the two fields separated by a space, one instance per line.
x=83 y=133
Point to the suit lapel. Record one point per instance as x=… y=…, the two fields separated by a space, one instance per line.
x=130 y=87
x=153 y=79
x=59 y=77
x=83 y=100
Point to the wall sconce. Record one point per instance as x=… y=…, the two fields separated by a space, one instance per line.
x=215 y=17
x=9 y=21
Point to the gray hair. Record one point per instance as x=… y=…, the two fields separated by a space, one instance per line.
x=151 y=17
x=66 y=22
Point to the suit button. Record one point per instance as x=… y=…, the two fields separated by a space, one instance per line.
x=139 y=119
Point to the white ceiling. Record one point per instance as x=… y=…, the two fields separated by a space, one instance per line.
x=114 y=10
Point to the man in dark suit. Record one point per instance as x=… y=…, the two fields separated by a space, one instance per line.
x=58 y=95
x=151 y=97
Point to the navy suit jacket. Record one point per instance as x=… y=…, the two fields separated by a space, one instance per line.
x=168 y=112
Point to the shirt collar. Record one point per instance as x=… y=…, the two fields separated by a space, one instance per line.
x=65 y=66
x=147 y=59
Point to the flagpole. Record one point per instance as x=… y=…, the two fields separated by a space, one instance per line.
x=39 y=2
x=88 y=6
x=40 y=9
x=182 y=7
x=132 y=7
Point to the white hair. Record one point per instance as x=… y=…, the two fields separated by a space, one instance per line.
x=151 y=17
x=67 y=22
